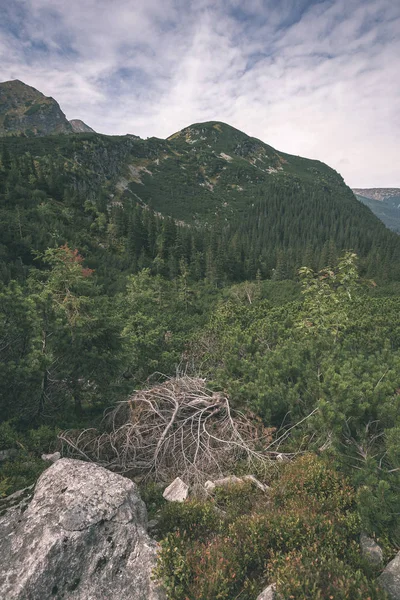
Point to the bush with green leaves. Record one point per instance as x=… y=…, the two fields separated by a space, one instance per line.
x=310 y=573
x=310 y=509
x=23 y=468
x=20 y=472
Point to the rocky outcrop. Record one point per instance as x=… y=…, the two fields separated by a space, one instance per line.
x=82 y=537
x=390 y=578
x=79 y=126
x=24 y=110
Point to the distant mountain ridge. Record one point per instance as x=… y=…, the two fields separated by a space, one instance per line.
x=380 y=194
x=384 y=203
x=26 y=111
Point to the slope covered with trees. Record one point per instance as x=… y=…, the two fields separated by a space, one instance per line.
x=181 y=205
x=213 y=254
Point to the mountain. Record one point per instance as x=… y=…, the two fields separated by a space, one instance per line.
x=209 y=200
x=24 y=110
x=212 y=169
x=379 y=194
x=79 y=126
x=384 y=203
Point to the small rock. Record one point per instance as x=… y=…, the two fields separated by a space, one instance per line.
x=209 y=486
x=177 y=491
x=252 y=479
x=51 y=457
x=269 y=593
x=390 y=578
x=233 y=480
x=371 y=550
x=199 y=491
x=225 y=481
x=152 y=525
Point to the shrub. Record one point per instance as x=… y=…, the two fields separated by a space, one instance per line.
x=311 y=509
x=310 y=478
x=33 y=109
x=195 y=520
x=41 y=440
x=239 y=499
x=20 y=473
x=321 y=576
x=8 y=436
x=151 y=494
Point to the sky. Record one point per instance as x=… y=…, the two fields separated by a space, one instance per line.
x=315 y=78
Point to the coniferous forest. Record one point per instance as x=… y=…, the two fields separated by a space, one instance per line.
x=126 y=261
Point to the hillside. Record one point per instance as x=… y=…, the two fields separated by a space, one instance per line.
x=249 y=207
x=213 y=168
x=384 y=203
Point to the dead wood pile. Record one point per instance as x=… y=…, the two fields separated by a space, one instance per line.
x=177 y=428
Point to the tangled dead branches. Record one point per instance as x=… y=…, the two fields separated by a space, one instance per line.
x=176 y=428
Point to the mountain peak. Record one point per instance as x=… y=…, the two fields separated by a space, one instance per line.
x=26 y=111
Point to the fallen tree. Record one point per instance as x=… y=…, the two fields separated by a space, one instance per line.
x=178 y=427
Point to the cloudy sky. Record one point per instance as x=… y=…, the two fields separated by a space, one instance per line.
x=318 y=78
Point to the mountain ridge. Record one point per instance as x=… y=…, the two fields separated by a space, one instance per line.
x=379 y=194
x=122 y=201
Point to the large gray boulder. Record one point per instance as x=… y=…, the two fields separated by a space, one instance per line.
x=390 y=578
x=82 y=537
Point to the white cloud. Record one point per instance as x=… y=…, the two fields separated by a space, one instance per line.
x=314 y=78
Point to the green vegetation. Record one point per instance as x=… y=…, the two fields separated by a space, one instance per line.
x=121 y=258
x=33 y=109
x=303 y=536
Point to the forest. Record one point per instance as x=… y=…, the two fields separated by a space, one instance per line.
x=291 y=309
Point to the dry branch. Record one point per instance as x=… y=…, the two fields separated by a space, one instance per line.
x=176 y=428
